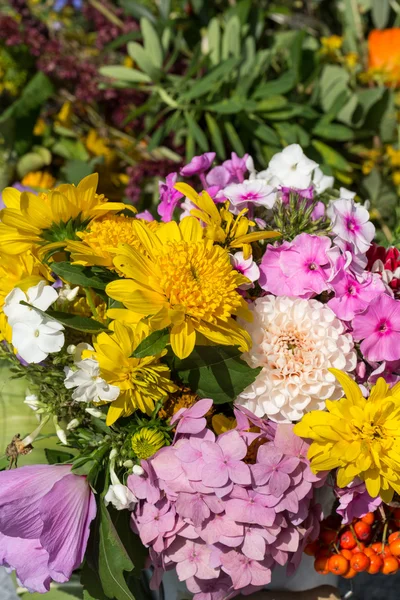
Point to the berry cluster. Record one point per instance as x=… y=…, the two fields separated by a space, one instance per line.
x=371 y=544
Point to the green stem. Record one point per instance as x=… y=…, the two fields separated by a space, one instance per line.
x=89 y=296
x=107 y=13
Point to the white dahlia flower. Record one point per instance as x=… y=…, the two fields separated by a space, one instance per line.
x=295 y=342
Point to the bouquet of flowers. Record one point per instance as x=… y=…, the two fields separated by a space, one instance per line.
x=223 y=381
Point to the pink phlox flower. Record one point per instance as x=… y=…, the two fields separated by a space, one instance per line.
x=145 y=215
x=247 y=267
x=198 y=164
x=145 y=486
x=306 y=194
x=355 y=502
x=245 y=571
x=250 y=193
x=218 y=178
x=379 y=328
x=350 y=222
x=353 y=295
x=223 y=460
x=193 y=559
x=343 y=255
x=273 y=468
x=169 y=197
x=236 y=166
x=389 y=370
x=191 y=420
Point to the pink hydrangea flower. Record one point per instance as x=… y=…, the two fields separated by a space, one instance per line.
x=245 y=571
x=379 y=328
x=223 y=461
x=273 y=467
x=300 y=268
x=191 y=420
x=193 y=559
x=350 y=222
x=45 y=515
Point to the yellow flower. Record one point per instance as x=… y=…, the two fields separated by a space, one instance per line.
x=146 y=442
x=98 y=146
x=393 y=156
x=23 y=271
x=64 y=117
x=360 y=437
x=40 y=127
x=396 y=177
x=351 y=60
x=46 y=222
x=185 y=283
x=221 y=423
x=142 y=381
x=221 y=225
x=331 y=44
x=39 y=179
x=183 y=398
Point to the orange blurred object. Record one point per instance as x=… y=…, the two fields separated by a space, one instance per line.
x=369 y=518
x=384 y=54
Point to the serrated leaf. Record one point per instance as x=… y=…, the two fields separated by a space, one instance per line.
x=143 y=58
x=124 y=73
x=215 y=372
x=216 y=135
x=80 y=275
x=197 y=133
x=113 y=559
x=84 y=324
x=152 y=44
x=208 y=82
x=153 y=344
x=55 y=457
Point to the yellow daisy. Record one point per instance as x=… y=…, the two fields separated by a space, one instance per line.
x=147 y=441
x=358 y=436
x=185 y=283
x=44 y=223
x=142 y=381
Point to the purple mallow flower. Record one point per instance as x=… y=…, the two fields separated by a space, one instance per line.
x=45 y=515
x=221 y=523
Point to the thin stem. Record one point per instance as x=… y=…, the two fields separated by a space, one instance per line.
x=30 y=438
x=91 y=303
x=107 y=13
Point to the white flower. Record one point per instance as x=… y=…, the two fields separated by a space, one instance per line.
x=32 y=401
x=322 y=182
x=251 y=192
x=120 y=497
x=90 y=387
x=66 y=294
x=295 y=341
x=346 y=194
x=35 y=341
x=248 y=267
x=41 y=296
x=292 y=167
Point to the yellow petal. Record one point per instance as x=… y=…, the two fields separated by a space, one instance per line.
x=183 y=339
x=115 y=411
x=191 y=229
x=13 y=218
x=11 y=198
x=379 y=390
x=351 y=389
x=37 y=212
x=342 y=479
x=169 y=232
x=149 y=240
x=372 y=481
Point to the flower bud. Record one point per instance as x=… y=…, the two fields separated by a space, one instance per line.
x=120 y=497
x=72 y=424
x=71 y=349
x=62 y=436
x=137 y=470
x=32 y=401
x=95 y=412
x=128 y=464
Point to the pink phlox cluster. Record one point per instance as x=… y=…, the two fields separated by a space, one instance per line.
x=219 y=518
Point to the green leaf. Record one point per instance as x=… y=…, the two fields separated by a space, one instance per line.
x=215 y=372
x=71 y=149
x=208 y=82
x=282 y=85
x=34 y=94
x=156 y=138
x=84 y=324
x=234 y=139
x=152 y=344
x=266 y=134
x=152 y=44
x=80 y=275
x=231 y=38
x=124 y=73
x=227 y=106
x=216 y=136
x=271 y=103
x=190 y=147
x=214 y=41
x=380 y=13
x=75 y=170
x=332 y=131
x=333 y=84
x=143 y=58
x=197 y=133
x=331 y=157
x=55 y=456
x=113 y=559
x=137 y=9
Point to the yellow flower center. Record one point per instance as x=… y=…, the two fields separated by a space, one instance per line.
x=368 y=432
x=146 y=442
x=200 y=279
x=108 y=232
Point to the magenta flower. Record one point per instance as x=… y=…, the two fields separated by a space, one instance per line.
x=351 y=295
x=379 y=328
x=224 y=461
x=300 y=268
x=350 y=222
x=193 y=559
x=273 y=467
x=355 y=502
x=169 y=197
x=218 y=178
x=245 y=571
x=236 y=166
x=247 y=266
x=198 y=164
x=219 y=528
x=145 y=215
x=45 y=515
x=191 y=420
